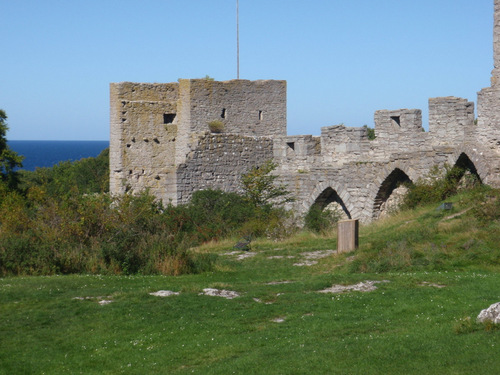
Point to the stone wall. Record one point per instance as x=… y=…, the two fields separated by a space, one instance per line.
x=155 y=127
x=251 y=108
x=488 y=98
x=339 y=141
x=451 y=120
x=160 y=141
x=163 y=144
x=143 y=132
x=218 y=162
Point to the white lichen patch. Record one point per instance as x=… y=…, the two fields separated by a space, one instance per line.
x=366 y=286
x=164 y=293
x=229 y=294
x=105 y=302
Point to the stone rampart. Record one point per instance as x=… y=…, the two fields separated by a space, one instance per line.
x=160 y=140
x=218 y=161
x=156 y=128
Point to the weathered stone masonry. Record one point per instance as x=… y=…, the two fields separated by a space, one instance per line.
x=160 y=140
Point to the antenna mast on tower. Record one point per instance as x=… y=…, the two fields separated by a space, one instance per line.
x=238 y=38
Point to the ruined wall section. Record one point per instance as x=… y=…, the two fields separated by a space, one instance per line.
x=250 y=108
x=451 y=120
x=218 y=162
x=297 y=153
x=340 y=144
x=360 y=185
x=488 y=99
x=143 y=134
x=398 y=130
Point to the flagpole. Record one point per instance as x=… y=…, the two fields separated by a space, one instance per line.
x=238 y=38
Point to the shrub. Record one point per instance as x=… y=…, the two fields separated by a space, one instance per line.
x=439 y=185
x=95 y=233
x=261 y=189
x=216 y=126
x=485 y=203
x=370 y=132
x=217 y=214
x=320 y=220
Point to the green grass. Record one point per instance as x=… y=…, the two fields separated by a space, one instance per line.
x=406 y=325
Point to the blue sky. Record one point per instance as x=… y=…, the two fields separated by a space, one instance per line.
x=343 y=59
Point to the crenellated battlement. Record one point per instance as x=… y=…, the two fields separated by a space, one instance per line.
x=162 y=140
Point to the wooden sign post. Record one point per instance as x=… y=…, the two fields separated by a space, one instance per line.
x=348 y=232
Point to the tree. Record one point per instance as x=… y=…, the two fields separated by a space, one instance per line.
x=9 y=159
x=260 y=188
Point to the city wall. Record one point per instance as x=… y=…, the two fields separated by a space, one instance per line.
x=161 y=141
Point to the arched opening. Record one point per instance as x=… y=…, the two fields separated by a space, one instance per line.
x=330 y=200
x=391 y=193
x=466 y=173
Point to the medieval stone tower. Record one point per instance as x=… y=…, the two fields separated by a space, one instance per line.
x=158 y=129
x=161 y=141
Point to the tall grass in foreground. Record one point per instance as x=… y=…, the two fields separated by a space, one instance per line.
x=429 y=238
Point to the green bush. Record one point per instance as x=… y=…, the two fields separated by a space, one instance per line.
x=485 y=203
x=217 y=214
x=86 y=176
x=320 y=220
x=439 y=185
x=95 y=234
x=261 y=188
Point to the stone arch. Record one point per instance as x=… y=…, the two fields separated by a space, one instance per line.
x=470 y=160
x=467 y=166
x=393 y=180
x=329 y=197
x=325 y=193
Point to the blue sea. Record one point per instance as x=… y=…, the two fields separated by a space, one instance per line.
x=39 y=154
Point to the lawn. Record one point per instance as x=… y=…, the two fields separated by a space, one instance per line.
x=418 y=319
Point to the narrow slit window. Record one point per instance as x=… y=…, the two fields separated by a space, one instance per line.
x=261 y=115
x=168 y=118
x=223 y=113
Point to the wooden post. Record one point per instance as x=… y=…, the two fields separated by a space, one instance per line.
x=347 y=236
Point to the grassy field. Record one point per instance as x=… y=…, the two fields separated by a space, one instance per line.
x=436 y=271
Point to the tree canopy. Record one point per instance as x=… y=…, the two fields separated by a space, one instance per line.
x=9 y=159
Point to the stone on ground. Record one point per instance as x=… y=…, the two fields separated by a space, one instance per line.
x=491 y=314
